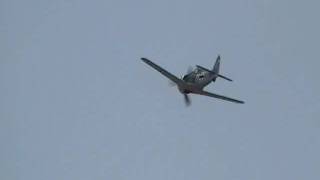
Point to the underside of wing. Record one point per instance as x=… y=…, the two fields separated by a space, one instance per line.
x=205 y=93
x=163 y=71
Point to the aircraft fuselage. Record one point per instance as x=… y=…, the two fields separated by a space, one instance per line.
x=196 y=81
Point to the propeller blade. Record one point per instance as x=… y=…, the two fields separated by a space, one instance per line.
x=187 y=100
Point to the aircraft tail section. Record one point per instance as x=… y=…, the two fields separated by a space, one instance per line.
x=216 y=66
x=216 y=69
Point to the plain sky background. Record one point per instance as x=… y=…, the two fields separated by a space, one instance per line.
x=77 y=102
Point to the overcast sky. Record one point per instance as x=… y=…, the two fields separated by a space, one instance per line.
x=77 y=102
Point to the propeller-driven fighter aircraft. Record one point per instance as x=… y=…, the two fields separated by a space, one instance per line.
x=195 y=80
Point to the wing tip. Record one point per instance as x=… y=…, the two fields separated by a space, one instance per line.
x=144 y=59
x=238 y=101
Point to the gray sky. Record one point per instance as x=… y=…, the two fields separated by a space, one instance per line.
x=77 y=103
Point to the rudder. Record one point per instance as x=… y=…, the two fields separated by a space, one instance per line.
x=216 y=66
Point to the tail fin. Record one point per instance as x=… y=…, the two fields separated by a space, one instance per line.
x=216 y=66
x=216 y=69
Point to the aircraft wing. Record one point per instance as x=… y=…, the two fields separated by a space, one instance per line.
x=162 y=71
x=205 y=93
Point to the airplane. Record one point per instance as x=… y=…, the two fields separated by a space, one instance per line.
x=195 y=80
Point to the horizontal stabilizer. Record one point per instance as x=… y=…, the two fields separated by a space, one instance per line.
x=223 y=77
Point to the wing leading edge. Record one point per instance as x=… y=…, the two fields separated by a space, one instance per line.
x=205 y=93
x=163 y=71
